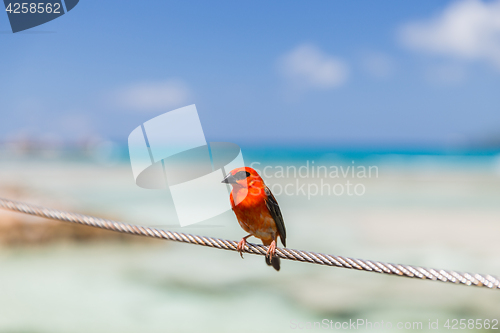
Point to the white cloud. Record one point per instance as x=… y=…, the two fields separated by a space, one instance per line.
x=467 y=29
x=306 y=66
x=152 y=96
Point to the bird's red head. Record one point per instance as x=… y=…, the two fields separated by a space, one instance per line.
x=243 y=178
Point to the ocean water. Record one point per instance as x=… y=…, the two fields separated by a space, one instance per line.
x=421 y=208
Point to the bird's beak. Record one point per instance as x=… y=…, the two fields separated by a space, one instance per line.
x=229 y=179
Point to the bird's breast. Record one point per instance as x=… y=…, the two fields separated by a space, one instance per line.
x=254 y=217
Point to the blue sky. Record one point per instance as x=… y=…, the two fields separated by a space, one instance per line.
x=368 y=73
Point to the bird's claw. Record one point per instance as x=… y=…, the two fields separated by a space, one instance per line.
x=241 y=246
x=271 y=251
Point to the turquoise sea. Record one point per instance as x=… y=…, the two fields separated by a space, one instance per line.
x=431 y=208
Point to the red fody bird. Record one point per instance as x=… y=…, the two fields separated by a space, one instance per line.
x=257 y=211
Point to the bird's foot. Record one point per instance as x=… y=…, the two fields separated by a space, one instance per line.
x=271 y=251
x=241 y=246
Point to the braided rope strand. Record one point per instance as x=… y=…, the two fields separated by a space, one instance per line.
x=468 y=279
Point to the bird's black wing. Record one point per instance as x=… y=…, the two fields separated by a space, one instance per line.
x=275 y=211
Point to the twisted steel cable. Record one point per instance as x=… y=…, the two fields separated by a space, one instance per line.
x=469 y=279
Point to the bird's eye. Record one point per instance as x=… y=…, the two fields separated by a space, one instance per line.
x=241 y=175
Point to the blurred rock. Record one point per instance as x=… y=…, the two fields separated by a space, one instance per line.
x=21 y=229
x=26 y=231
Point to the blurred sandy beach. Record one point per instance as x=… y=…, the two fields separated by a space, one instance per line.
x=435 y=211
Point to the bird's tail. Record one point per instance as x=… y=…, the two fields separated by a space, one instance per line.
x=274 y=261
